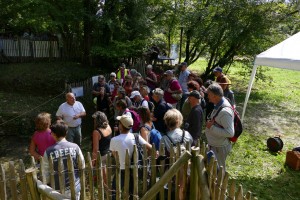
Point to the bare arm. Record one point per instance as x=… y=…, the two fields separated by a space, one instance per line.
x=144 y=133
x=32 y=150
x=96 y=138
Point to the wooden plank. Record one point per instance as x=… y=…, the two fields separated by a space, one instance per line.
x=81 y=167
x=118 y=177
x=151 y=193
x=145 y=170
x=177 y=178
x=194 y=176
x=42 y=171
x=203 y=179
x=52 y=172
x=184 y=184
x=31 y=181
x=99 y=177
x=135 y=173
x=162 y=169
x=90 y=175
x=214 y=178
x=13 y=180
x=231 y=192
x=172 y=161
x=71 y=176
x=219 y=183
x=127 y=175
x=239 y=195
x=48 y=192
x=224 y=186
x=153 y=166
x=248 y=196
x=61 y=175
x=3 y=194
x=109 y=175
x=23 y=182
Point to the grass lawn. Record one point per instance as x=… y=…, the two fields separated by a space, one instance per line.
x=273 y=108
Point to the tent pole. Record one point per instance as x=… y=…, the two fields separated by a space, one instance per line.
x=252 y=78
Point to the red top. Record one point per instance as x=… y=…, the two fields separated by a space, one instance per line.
x=43 y=140
x=173 y=85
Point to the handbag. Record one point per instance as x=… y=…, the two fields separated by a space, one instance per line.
x=177 y=96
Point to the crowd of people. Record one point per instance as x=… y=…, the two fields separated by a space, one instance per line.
x=129 y=104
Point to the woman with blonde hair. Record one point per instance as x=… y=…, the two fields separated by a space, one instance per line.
x=173 y=120
x=102 y=135
x=41 y=138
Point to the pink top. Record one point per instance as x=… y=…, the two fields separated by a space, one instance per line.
x=174 y=85
x=43 y=140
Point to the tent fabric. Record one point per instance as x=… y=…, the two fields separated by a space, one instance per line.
x=284 y=55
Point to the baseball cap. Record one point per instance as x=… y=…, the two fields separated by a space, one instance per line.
x=149 y=67
x=195 y=94
x=168 y=72
x=183 y=64
x=135 y=93
x=217 y=69
x=126 y=121
x=113 y=74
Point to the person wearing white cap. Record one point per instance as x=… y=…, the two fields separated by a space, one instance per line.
x=124 y=141
x=112 y=81
x=138 y=100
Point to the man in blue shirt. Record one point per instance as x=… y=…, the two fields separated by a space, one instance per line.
x=183 y=80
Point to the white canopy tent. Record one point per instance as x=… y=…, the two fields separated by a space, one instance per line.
x=283 y=55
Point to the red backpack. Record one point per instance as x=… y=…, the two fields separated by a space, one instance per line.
x=136 y=120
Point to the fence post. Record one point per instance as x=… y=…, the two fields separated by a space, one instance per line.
x=23 y=183
x=127 y=175
x=167 y=176
x=202 y=178
x=99 y=177
x=153 y=166
x=218 y=183
x=91 y=174
x=31 y=181
x=172 y=161
x=194 y=177
x=135 y=173
x=52 y=172
x=145 y=170
x=239 y=195
x=118 y=176
x=71 y=176
x=13 y=180
x=3 y=195
x=224 y=186
x=231 y=192
x=162 y=169
x=81 y=167
x=109 y=174
x=61 y=175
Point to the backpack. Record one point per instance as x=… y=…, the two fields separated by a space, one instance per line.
x=150 y=105
x=136 y=120
x=155 y=136
x=238 y=127
x=182 y=144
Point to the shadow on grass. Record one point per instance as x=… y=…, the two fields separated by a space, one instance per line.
x=284 y=186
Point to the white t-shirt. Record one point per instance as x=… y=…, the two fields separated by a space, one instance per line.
x=67 y=113
x=122 y=142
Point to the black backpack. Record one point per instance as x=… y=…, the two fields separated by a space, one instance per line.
x=237 y=123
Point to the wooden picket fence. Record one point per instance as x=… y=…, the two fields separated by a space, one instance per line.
x=187 y=176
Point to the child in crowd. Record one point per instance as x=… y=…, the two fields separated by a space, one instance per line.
x=41 y=138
